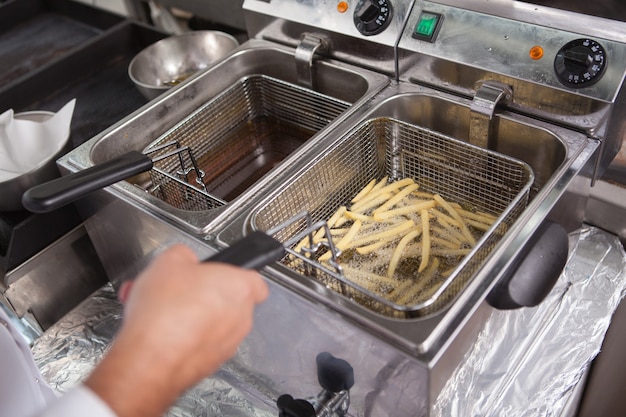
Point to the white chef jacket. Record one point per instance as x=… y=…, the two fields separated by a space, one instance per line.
x=24 y=392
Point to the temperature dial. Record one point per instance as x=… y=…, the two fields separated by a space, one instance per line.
x=372 y=16
x=580 y=62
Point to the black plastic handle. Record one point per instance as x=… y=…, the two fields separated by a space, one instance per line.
x=64 y=190
x=536 y=270
x=252 y=252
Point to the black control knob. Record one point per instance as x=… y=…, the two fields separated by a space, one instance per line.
x=334 y=374
x=580 y=62
x=372 y=16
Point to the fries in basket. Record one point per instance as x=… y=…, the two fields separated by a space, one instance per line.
x=400 y=242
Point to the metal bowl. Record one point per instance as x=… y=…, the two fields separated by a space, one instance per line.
x=172 y=60
x=11 y=190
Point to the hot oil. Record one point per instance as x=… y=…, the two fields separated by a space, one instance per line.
x=246 y=153
x=407 y=286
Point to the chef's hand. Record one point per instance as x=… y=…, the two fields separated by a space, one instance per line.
x=182 y=320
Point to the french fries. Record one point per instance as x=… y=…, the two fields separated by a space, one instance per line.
x=397 y=253
x=425 y=240
x=398 y=241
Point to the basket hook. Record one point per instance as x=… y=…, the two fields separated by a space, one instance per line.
x=309 y=45
x=488 y=95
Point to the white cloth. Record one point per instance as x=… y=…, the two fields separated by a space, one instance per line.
x=26 y=144
x=23 y=391
x=79 y=402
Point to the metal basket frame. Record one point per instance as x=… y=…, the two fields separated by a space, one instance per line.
x=294 y=110
x=458 y=171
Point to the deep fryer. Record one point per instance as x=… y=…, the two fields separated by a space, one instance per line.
x=466 y=74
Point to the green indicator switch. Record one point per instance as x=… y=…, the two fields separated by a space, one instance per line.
x=426 y=27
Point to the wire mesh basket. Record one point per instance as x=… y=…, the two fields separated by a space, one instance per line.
x=462 y=173
x=236 y=138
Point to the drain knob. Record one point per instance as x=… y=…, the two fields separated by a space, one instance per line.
x=336 y=377
x=291 y=407
x=334 y=374
x=372 y=16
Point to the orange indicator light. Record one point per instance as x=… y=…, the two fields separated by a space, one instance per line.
x=342 y=6
x=536 y=52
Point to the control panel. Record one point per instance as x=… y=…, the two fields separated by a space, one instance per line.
x=378 y=21
x=542 y=54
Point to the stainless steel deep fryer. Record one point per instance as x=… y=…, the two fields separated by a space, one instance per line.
x=466 y=174
x=472 y=80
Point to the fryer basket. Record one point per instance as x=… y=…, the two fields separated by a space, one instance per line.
x=460 y=172
x=236 y=138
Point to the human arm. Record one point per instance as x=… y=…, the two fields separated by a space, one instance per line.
x=182 y=319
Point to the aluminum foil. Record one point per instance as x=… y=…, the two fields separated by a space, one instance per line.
x=68 y=351
x=525 y=362
x=529 y=362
